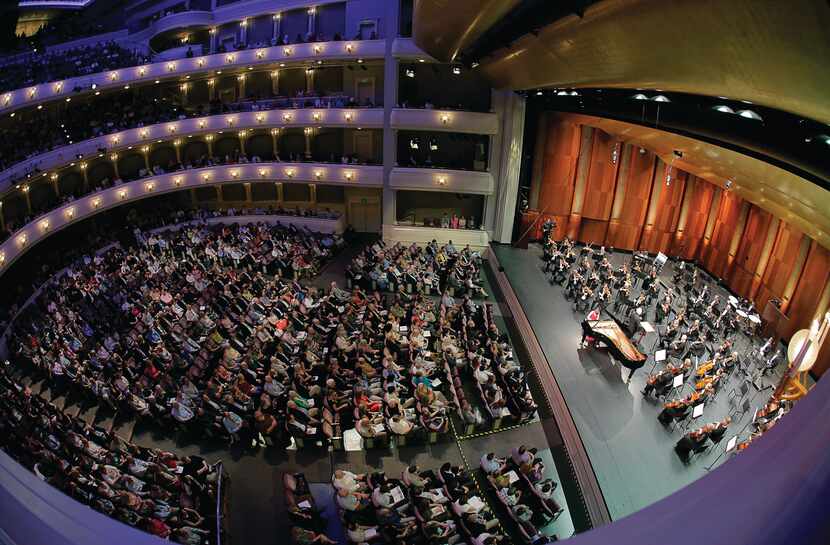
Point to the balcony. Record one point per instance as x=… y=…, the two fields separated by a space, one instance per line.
x=450 y=181
x=445 y=120
x=291 y=118
x=296 y=54
x=255 y=173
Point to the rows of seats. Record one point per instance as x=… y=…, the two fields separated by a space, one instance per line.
x=182 y=328
x=153 y=490
x=435 y=507
x=428 y=269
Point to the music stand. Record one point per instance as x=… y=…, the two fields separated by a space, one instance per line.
x=659 y=356
x=730 y=446
x=697 y=412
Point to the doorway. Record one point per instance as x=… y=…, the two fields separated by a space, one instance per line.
x=364 y=214
x=364 y=90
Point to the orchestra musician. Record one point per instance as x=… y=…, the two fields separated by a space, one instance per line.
x=660 y=383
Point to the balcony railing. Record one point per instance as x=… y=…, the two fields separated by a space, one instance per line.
x=438 y=179
x=255 y=173
x=296 y=54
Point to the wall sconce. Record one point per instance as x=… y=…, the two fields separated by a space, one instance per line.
x=25 y=189
x=177 y=181
x=149 y=186
x=349 y=175
x=209 y=137
x=59 y=87
x=116 y=140
x=206 y=176
x=263 y=173
x=230 y=121
x=32 y=92
x=7 y=98
x=113 y=76
x=318 y=174
x=122 y=194
x=143 y=133
x=172 y=129
x=229 y=59
x=22 y=240
x=312 y=11
x=241 y=77
x=243 y=22
x=146 y=149
x=442 y=180
x=308 y=130
x=286 y=117
x=44 y=226
x=171 y=66
x=289 y=173
x=243 y=133
x=287 y=51
x=2 y=258
x=142 y=70
x=53 y=176
x=316 y=116
x=201 y=62
x=113 y=157
x=70 y=213
x=277 y=16
x=234 y=174
x=349 y=48
x=348 y=116
x=445 y=118
x=96 y=202
x=83 y=165
x=275 y=132
x=201 y=123
x=260 y=118
x=260 y=54
x=177 y=142
x=212 y=31
x=318 y=49
x=184 y=87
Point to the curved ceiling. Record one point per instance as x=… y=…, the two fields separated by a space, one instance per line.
x=444 y=27
x=791 y=198
x=765 y=51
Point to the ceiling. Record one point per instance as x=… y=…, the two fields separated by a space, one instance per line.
x=445 y=27
x=770 y=52
x=793 y=199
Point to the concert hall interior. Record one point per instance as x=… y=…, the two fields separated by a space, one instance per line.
x=416 y=272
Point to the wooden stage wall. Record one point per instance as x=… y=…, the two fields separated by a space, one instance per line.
x=607 y=192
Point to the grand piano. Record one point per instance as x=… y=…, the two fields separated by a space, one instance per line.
x=612 y=336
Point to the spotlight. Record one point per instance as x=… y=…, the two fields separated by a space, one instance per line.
x=456 y=70
x=410 y=73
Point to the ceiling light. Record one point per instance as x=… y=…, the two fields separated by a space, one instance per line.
x=538 y=93
x=724 y=108
x=749 y=114
x=638 y=96
x=660 y=98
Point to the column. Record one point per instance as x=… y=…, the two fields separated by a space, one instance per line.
x=55 y=187
x=25 y=190
x=219 y=196
x=501 y=206
x=248 y=197
x=177 y=145
x=275 y=34
x=312 y=21
x=309 y=80
x=83 y=166
x=313 y=193
x=275 y=137
x=209 y=140
x=626 y=152
x=280 y=193
x=213 y=36
x=680 y=230
x=766 y=251
x=145 y=151
x=185 y=88
x=114 y=159
x=241 y=80
x=657 y=184
x=308 y=132
x=275 y=82
x=2 y=218
x=582 y=167
x=211 y=83
x=710 y=224
x=193 y=197
x=243 y=134
x=243 y=31
x=390 y=93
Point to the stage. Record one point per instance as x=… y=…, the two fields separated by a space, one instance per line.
x=631 y=453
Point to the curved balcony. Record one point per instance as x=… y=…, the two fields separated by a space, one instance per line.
x=440 y=179
x=173 y=21
x=445 y=120
x=288 y=118
x=272 y=172
x=296 y=54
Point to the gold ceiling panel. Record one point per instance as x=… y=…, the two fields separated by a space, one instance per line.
x=797 y=201
x=443 y=28
x=770 y=52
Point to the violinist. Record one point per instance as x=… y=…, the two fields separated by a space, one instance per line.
x=604 y=296
x=674 y=410
x=711 y=380
x=692 y=441
x=718 y=429
x=660 y=383
x=581 y=304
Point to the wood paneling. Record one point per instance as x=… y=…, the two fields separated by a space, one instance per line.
x=749 y=251
x=625 y=231
x=659 y=230
x=716 y=258
x=780 y=266
x=561 y=154
x=602 y=177
x=700 y=201
x=814 y=278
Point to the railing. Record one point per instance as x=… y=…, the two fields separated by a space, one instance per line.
x=148 y=73
x=441 y=179
x=446 y=120
x=271 y=172
x=287 y=118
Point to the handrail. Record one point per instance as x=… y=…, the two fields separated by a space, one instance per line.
x=347 y=50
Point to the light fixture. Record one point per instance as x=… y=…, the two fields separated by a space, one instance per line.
x=243 y=133
x=172 y=129
x=96 y=202
x=289 y=173
x=234 y=174
x=230 y=121
x=2 y=258
x=202 y=123
x=122 y=194
x=456 y=70
x=146 y=149
x=312 y=10
x=260 y=54
x=307 y=130
x=638 y=96
x=143 y=133
x=724 y=108
x=211 y=82
x=241 y=77
x=141 y=71
x=206 y=176
x=615 y=153
x=728 y=185
x=44 y=225
x=59 y=87
x=25 y=189
x=349 y=175
x=70 y=213
x=53 y=176
x=318 y=49
x=260 y=118
x=209 y=137
x=201 y=62
x=149 y=186
x=263 y=172
x=275 y=132
x=113 y=76
x=230 y=58
x=286 y=117
x=177 y=181
x=442 y=180
x=359 y=61
x=113 y=157
x=660 y=98
x=348 y=116
x=445 y=118
x=316 y=116
x=318 y=174
x=116 y=140
x=421 y=60
x=243 y=22
x=23 y=239
x=7 y=98
x=275 y=73
x=171 y=66
x=277 y=16
x=749 y=114
x=177 y=142
x=349 y=48
x=83 y=165
x=287 y=51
